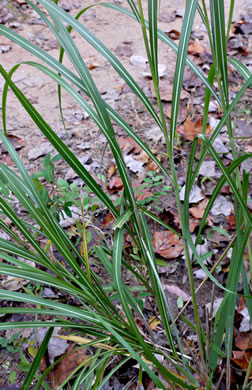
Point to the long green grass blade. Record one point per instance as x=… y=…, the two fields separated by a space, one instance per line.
x=163 y=37
x=36 y=362
x=224 y=320
x=219 y=42
x=59 y=145
x=102 y=49
x=220 y=125
x=152 y=11
x=240 y=67
x=180 y=67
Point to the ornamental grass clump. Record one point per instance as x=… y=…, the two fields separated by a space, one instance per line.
x=98 y=320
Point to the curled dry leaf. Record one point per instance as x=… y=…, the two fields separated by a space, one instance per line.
x=115 y=184
x=242 y=304
x=154 y=322
x=161 y=71
x=92 y=63
x=17 y=142
x=13 y=284
x=167 y=244
x=245 y=325
x=195 y=48
x=189 y=130
x=242 y=359
x=195 y=196
x=173 y=34
x=111 y=170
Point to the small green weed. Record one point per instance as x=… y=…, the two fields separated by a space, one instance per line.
x=12 y=345
x=49 y=166
x=59 y=195
x=152 y=181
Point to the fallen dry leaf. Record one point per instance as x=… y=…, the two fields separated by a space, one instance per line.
x=231 y=222
x=192 y=225
x=173 y=34
x=167 y=244
x=64 y=368
x=142 y=156
x=172 y=219
x=115 y=184
x=6 y=159
x=225 y=190
x=222 y=206
x=111 y=170
x=182 y=113
x=242 y=304
x=195 y=48
x=175 y=290
x=143 y=194
x=195 y=196
x=245 y=325
x=153 y=323
x=190 y=80
x=56 y=346
x=134 y=165
x=165 y=90
x=127 y=144
x=189 y=130
x=13 y=284
x=152 y=166
x=216 y=305
x=161 y=71
x=243 y=340
x=242 y=359
x=17 y=142
x=198 y=212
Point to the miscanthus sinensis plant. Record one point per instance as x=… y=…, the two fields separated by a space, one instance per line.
x=98 y=320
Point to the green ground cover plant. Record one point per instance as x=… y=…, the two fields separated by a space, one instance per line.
x=104 y=324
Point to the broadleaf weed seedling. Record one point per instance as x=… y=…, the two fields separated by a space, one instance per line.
x=151 y=181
